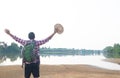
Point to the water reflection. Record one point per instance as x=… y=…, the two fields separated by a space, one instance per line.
x=88 y=60
x=70 y=60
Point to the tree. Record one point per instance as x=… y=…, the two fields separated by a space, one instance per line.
x=108 y=52
x=116 y=51
x=113 y=52
x=12 y=51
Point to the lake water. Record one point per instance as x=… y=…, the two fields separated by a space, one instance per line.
x=71 y=60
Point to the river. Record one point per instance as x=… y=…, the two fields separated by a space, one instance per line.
x=71 y=60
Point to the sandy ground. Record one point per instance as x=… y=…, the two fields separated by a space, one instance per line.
x=61 y=71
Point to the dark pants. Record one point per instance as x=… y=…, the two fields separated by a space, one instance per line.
x=33 y=69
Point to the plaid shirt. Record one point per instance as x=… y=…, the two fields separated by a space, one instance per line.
x=37 y=44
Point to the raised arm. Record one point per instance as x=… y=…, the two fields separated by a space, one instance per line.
x=8 y=32
x=19 y=40
x=55 y=31
x=48 y=38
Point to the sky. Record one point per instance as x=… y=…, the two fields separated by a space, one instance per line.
x=88 y=24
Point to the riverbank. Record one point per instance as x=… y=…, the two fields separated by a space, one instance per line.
x=61 y=71
x=113 y=60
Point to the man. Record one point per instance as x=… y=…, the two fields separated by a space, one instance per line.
x=32 y=67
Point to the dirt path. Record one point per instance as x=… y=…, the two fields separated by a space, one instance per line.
x=61 y=71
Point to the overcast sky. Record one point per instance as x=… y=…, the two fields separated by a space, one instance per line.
x=88 y=24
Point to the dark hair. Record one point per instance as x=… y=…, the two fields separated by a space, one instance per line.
x=31 y=35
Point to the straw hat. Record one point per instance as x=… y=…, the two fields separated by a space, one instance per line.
x=59 y=28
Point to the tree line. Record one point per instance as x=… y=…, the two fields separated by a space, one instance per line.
x=13 y=51
x=65 y=51
x=112 y=51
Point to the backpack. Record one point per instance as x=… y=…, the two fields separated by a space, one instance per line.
x=28 y=52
